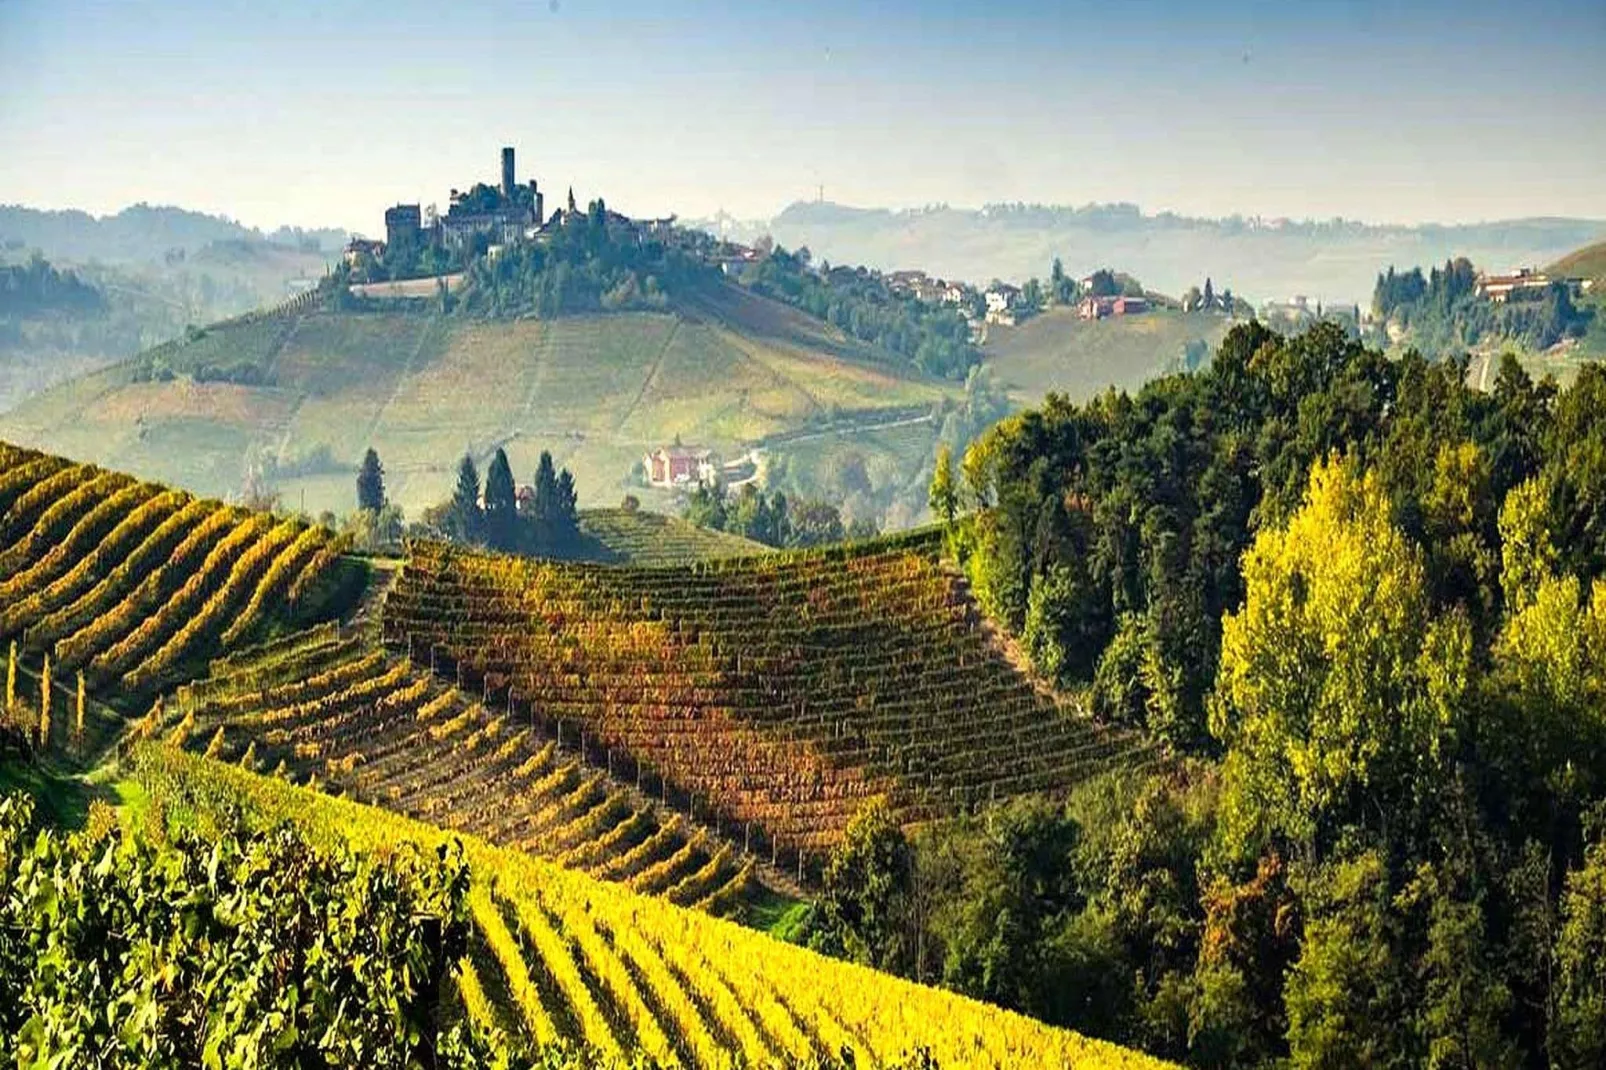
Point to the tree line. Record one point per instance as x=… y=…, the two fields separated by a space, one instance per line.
x=773 y=519
x=545 y=521
x=1441 y=313
x=1362 y=607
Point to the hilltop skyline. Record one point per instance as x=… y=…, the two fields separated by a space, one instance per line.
x=323 y=115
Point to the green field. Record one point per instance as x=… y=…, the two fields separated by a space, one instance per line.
x=596 y=391
x=1080 y=358
x=652 y=539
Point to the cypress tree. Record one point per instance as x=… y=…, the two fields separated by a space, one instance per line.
x=501 y=504
x=546 y=490
x=371 y=482
x=464 y=520
x=567 y=499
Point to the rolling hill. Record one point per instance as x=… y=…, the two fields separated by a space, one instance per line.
x=133 y=584
x=557 y=955
x=298 y=393
x=1079 y=358
x=578 y=924
x=1333 y=260
x=783 y=690
x=1587 y=263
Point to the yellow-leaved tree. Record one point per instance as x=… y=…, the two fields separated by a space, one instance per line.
x=1339 y=685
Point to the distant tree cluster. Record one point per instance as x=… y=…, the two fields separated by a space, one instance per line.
x=771 y=519
x=935 y=338
x=37 y=287
x=591 y=263
x=1441 y=313
x=546 y=523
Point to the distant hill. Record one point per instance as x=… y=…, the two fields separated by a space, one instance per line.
x=1587 y=263
x=141 y=233
x=1079 y=358
x=1335 y=261
x=297 y=395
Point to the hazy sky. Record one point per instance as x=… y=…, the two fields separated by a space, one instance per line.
x=323 y=113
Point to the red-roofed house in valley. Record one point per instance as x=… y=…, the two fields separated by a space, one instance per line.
x=679 y=466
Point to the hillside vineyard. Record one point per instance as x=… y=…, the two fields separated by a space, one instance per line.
x=557 y=955
x=331 y=711
x=127 y=581
x=784 y=690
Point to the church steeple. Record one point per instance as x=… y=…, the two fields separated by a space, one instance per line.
x=572 y=209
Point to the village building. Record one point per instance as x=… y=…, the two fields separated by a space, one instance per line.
x=681 y=466
x=1097 y=308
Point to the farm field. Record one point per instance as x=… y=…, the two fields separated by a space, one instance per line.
x=1059 y=351
x=322 y=709
x=555 y=954
x=297 y=395
x=642 y=538
x=784 y=690
x=133 y=584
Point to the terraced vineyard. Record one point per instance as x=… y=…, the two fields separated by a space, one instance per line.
x=637 y=538
x=329 y=710
x=783 y=689
x=130 y=581
x=555 y=954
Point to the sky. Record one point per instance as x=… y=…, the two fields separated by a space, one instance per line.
x=323 y=113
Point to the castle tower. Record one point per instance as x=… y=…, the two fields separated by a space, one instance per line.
x=507 y=172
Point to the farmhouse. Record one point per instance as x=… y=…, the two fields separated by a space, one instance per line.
x=680 y=466
x=1097 y=308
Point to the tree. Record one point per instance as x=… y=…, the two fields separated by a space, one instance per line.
x=1527 y=551
x=943 y=497
x=1343 y=995
x=1339 y=685
x=567 y=500
x=371 y=482
x=463 y=518
x=501 y=503
x=1578 y=1027
x=1209 y=294
x=867 y=882
x=546 y=489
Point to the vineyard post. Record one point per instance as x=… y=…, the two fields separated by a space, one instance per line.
x=560 y=735
x=747 y=838
x=610 y=763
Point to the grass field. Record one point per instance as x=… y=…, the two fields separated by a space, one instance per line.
x=1080 y=358
x=595 y=391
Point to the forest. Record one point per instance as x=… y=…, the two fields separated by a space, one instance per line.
x=1361 y=607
